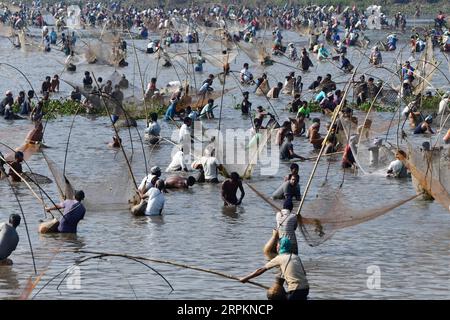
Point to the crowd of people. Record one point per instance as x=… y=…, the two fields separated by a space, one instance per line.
x=327 y=97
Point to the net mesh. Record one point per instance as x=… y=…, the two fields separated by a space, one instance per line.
x=325 y=215
x=329 y=211
x=426 y=67
x=431 y=172
x=245 y=152
x=369 y=156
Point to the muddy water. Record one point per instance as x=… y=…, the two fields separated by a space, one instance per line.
x=410 y=245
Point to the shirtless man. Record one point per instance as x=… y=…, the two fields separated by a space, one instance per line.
x=16 y=167
x=314 y=136
x=229 y=190
x=117 y=141
x=179 y=182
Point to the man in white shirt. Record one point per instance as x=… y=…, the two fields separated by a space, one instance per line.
x=396 y=168
x=208 y=166
x=246 y=75
x=150 y=180
x=152 y=47
x=178 y=162
x=185 y=132
x=156 y=199
x=444 y=104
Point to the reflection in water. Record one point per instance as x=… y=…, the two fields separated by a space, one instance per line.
x=158 y=220
x=8 y=278
x=230 y=211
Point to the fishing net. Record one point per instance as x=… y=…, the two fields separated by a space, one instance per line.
x=105 y=50
x=328 y=213
x=242 y=153
x=65 y=188
x=37 y=178
x=6 y=31
x=388 y=97
x=111 y=195
x=251 y=50
x=370 y=152
x=431 y=172
x=303 y=30
x=219 y=59
x=73 y=20
x=426 y=67
x=374 y=17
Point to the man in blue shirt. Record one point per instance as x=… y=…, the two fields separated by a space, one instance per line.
x=53 y=36
x=74 y=211
x=171 y=110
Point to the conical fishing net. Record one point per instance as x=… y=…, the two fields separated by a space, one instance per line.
x=426 y=67
x=331 y=210
x=65 y=188
x=111 y=194
x=328 y=213
x=242 y=154
x=6 y=31
x=431 y=172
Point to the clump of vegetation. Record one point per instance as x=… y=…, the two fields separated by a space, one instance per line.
x=66 y=107
x=431 y=103
x=314 y=106
x=376 y=107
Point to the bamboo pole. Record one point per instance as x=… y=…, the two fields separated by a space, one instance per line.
x=117 y=134
x=314 y=158
x=335 y=116
x=168 y=262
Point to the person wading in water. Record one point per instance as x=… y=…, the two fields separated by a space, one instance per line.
x=229 y=190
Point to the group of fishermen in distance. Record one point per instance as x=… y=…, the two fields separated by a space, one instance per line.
x=326 y=95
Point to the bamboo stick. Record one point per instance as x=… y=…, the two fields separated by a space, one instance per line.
x=168 y=262
x=314 y=158
x=335 y=115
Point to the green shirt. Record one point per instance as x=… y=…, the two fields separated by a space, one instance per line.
x=305 y=111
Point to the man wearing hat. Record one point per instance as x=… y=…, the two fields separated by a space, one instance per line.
x=327 y=104
x=7 y=100
x=150 y=180
x=425 y=126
